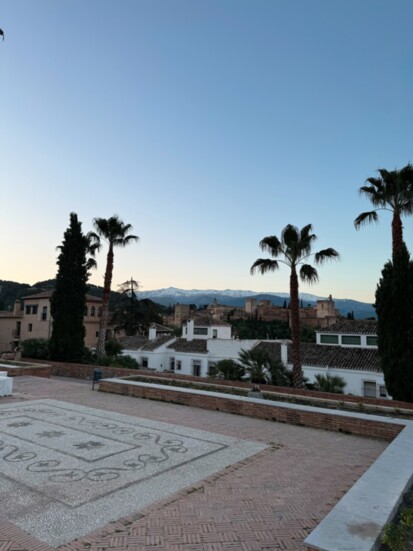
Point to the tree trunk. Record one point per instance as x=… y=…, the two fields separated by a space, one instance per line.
x=100 y=348
x=397 y=233
x=298 y=376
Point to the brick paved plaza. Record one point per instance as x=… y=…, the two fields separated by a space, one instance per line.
x=264 y=493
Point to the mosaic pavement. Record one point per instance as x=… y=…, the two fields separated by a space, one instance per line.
x=67 y=469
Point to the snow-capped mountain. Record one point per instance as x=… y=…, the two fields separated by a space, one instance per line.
x=236 y=298
x=175 y=292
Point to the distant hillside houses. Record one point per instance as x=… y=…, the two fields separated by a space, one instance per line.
x=322 y=314
x=347 y=348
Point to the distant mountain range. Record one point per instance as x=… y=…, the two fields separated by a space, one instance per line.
x=10 y=290
x=236 y=298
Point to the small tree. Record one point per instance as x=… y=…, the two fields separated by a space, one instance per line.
x=394 y=306
x=330 y=383
x=263 y=369
x=69 y=298
x=229 y=370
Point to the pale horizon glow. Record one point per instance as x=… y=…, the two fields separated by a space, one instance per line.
x=207 y=126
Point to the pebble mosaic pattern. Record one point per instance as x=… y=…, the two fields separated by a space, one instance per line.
x=71 y=469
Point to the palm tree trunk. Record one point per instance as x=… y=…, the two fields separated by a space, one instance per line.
x=100 y=348
x=298 y=376
x=397 y=232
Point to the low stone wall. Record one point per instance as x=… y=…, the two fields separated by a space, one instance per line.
x=32 y=371
x=270 y=411
x=83 y=371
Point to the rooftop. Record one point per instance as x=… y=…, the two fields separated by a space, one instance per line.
x=352 y=327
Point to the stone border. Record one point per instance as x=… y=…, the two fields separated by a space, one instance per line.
x=356 y=522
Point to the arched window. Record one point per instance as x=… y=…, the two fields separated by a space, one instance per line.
x=92 y=311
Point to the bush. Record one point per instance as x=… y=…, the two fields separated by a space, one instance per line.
x=229 y=370
x=113 y=347
x=118 y=361
x=125 y=361
x=329 y=383
x=35 y=348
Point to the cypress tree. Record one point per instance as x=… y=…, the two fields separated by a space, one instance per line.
x=68 y=301
x=394 y=306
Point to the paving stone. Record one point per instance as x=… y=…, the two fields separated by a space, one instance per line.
x=267 y=501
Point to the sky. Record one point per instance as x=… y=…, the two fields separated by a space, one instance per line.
x=207 y=125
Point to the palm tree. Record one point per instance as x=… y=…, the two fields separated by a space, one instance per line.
x=115 y=232
x=330 y=383
x=262 y=368
x=294 y=248
x=393 y=191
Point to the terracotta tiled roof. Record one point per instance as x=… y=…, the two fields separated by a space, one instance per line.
x=318 y=355
x=161 y=328
x=42 y=294
x=132 y=343
x=156 y=343
x=352 y=327
x=208 y=321
x=48 y=294
x=197 y=345
x=273 y=348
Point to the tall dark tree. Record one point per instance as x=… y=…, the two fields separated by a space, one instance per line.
x=393 y=191
x=69 y=298
x=394 y=306
x=294 y=248
x=128 y=289
x=116 y=234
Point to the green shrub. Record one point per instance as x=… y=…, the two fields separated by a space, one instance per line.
x=35 y=348
x=113 y=347
x=330 y=383
x=125 y=361
x=395 y=535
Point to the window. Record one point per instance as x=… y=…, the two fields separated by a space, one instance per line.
x=178 y=365
x=32 y=309
x=172 y=364
x=30 y=327
x=196 y=368
x=144 y=362
x=97 y=334
x=214 y=333
x=369 y=389
x=382 y=391
x=200 y=330
x=372 y=341
x=351 y=339
x=99 y=311
x=92 y=311
x=44 y=313
x=28 y=309
x=329 y=339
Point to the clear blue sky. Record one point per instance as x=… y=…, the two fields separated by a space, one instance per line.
x=207 y=125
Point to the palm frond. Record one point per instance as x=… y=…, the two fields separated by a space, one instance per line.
x=94 y=243
x=264 y=265
x=124 y=241
x=305 y=232
x=91 y=263
x=290 y=235
x=271 y=244
x=326 y=254
x=308 y=273
x=366 y=218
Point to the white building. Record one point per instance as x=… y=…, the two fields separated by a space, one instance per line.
x=205 y=342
